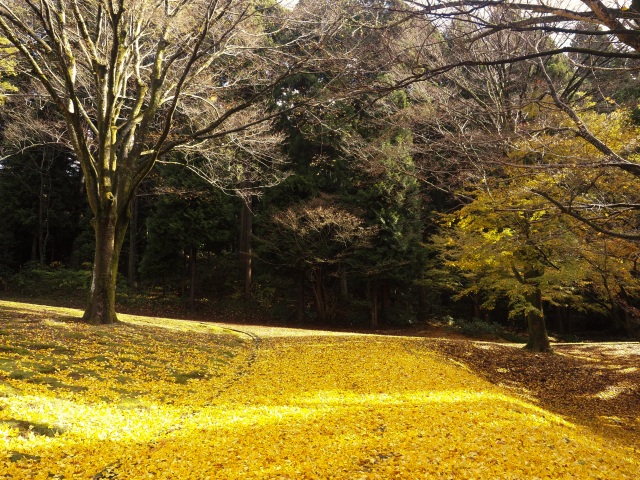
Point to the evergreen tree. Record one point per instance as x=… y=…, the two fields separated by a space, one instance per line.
x=41 y=203
x=188 y=223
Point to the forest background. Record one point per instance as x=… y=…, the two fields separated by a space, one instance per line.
x=355 y=163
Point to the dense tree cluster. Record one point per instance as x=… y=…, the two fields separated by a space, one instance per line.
x=355 y=162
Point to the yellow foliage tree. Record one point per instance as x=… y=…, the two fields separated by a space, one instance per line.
x=507 y=243
x=7 y=67
x=510 y=240
x=594 y=178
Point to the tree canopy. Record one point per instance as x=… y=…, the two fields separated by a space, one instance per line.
x=393 y=158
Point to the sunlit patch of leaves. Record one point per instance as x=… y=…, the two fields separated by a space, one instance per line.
x=589 y=383
x=164 y=401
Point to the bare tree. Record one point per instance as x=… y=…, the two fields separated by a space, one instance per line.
x=128 y=76
x=612 y=21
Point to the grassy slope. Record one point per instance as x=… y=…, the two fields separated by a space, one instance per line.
x=155 y=398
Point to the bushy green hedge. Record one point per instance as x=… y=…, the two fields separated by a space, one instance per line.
x=35 y=280
x=477 y=328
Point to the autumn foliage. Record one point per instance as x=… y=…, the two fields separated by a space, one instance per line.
x=159 y=398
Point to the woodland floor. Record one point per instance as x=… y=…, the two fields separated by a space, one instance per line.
x=160 y=398
x=594 y=384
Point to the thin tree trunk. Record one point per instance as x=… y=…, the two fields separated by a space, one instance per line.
x=421 y=314
x=301 y=299
x=344 y=284
x=630 y=323
x=110 y=231
x=386 y=296
x=318 y=293
x=193 y=252
x=43 y=213
x=133 y=244
x=374 y=306
x=246 y=232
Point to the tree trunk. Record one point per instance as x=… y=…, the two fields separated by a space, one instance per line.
x=374 y=306
x=344 y=284
x=43 y=209
x=319 y=295
x=110 y=229
x=301 y=299
x=562 y=323
x=538 y=338
x=34 y=248
x=386 y=296
x=630 y=322
x=133 y=244
x=421 y=314
x=246 y=231
x=475 y=300
x=193 y=252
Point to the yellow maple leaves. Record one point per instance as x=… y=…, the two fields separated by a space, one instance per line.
x=300 y=405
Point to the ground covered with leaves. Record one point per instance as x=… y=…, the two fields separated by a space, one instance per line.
x=593 y=384
x=158 y=398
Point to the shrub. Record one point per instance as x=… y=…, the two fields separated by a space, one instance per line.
x=398 y=316
x=35 y=280
x=477 y=328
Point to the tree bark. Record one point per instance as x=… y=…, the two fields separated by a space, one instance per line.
x=133 y=244
x=386 y=296
x=110 y=231
x=301 y=299
x=344 y=284
x=319 y=295
x=374 y=306
x=421 y=314
x=193 y=252
x=43 y=209
x=476 y=306
x=246 y=232
x=538 y=338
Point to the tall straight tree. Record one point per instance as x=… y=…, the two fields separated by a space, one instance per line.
x=137 y=79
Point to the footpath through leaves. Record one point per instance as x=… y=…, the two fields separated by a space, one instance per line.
x=154 y=398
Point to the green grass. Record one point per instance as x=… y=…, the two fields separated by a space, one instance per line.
x=25 y=428
x=13 y=349
x=183 y=377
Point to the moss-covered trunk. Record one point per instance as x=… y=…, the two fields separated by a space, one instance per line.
x=110 y=229
x=538 y=338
